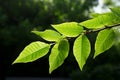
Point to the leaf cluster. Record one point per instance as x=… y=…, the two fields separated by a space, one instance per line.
x=59 y=38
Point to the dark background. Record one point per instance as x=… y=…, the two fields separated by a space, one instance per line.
x=19 y=17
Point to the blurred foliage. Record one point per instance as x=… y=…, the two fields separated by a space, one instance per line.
x=19 y=17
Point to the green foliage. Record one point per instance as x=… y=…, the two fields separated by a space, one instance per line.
x=69 y=29
x=58 y=54
x=32 y=52
x=81 y=50
x=104 y=41
x=101 y=23
x=116 y=11
x=53 y=35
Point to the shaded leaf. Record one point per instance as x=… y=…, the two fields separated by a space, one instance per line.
x=81 y=50
x=48 y=35
x=104 y=41
x=69 y=29
x=58 y=54
x=32 y=52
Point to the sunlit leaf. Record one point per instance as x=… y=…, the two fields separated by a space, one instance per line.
x=69 y=29
x=81 y=50
x=48 y=35
x=58 y=54
x=32 y=52
x=104 y=41
x=102 y=20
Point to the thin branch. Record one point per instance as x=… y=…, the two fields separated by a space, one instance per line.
x=97 y=30
x=88 y=31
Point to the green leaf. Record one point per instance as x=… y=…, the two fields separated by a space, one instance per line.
x=32 y=52
x=104 y=41
x=58 y=54
x=102 y=20
x=116 y=11
x=81 y=50
x=48 y=35
x=69 y=29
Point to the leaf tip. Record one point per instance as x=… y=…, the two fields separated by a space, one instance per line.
x=53 y=25
x=33 y=31
x=81 y=68
x=50 y=71
x=94 y=57
x=14 y=62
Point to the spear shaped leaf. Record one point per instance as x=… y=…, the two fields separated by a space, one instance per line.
x=104 y=41
x=58 y=54
x=69 y=29
x=32 y=52
x=81 y=50
x=48 y=35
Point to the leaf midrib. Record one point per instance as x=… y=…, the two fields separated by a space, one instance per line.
x=33 y=52
x=104 y=40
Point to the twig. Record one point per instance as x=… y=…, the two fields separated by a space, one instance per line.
x=97 y=30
